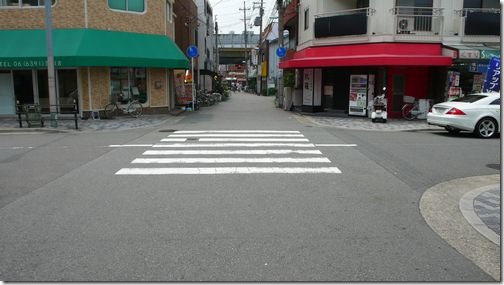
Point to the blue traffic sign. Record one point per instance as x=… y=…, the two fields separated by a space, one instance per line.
x=281 y=52
x=192 y=51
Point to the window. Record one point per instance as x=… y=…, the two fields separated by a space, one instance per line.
x=169 y=11
x=306 y=19
x=469 y=98
x=127 y=5
x=23 y=3
x=496 y=102
x=482 y=4
x=124 y=80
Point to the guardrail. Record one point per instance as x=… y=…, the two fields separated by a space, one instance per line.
x=33 y=114
x=418 y=20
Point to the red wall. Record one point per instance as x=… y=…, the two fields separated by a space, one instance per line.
x=416 y=85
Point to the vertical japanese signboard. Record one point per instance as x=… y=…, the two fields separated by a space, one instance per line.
x=492 y=81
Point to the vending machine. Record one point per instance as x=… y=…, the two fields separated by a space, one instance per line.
x=358 y=94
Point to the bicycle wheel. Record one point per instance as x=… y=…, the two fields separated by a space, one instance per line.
x=111 y=110
x=135 y=109
x=407 y=111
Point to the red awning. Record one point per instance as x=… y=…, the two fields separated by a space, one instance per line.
x=381 y=54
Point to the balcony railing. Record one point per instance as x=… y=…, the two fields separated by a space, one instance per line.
x=480 y=22
x=418 y=20
x=342 y=23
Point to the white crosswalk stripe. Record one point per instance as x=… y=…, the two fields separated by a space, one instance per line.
x=257 y=148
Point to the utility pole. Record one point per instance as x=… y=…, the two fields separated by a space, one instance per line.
x=281 y=11
x=216 y=46
x=245 y=39
x=260 y=59
x=51 y=76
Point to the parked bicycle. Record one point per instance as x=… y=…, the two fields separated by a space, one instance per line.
x=411 y=109
x=123 y=104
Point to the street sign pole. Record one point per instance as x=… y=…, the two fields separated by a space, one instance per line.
x=192 y=52
x=192 y=74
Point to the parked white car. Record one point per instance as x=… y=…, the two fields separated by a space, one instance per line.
x=478 y=113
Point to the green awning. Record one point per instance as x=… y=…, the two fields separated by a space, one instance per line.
x=89 y=47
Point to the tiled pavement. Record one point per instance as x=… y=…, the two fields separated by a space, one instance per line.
x=487 y=207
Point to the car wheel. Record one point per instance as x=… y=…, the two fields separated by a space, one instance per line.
x=486 y=128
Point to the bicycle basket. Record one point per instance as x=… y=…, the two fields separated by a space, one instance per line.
x=408 y=99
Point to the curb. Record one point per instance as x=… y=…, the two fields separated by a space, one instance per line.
x=440 y=207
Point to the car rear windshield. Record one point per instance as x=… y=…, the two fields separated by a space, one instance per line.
x=469 y=98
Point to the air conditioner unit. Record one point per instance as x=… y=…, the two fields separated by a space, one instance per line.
x=405 y=25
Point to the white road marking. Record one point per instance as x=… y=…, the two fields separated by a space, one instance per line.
x=237 y=131
x=175 y=145
x=174 y=140
x=250 y=140
x=235 y=135
x=233 y=160
x=335 y=144
x=17 y=147
x=227 y=170
x=130 y=145
x=220 y=152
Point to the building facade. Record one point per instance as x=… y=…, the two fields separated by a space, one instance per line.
x=206 y=45
x=346 y=51
x=103 y=49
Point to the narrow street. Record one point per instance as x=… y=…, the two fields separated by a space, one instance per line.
x=239 y=191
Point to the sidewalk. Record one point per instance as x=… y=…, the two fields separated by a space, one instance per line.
x=466 y=213
x=90 y=125
x=364 y=123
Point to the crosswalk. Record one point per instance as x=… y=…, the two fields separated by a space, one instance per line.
x=212 y=152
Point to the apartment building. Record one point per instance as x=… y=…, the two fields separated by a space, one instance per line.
x=102 y=49
x=345 y=51
x=206 y=45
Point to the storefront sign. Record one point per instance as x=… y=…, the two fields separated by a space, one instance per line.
x=454 y=93
x=27 y=64
x=308 y=87
x=477 y=67
x=492 y=81
x=477 y=82
x=469 y=54
x=488 y=54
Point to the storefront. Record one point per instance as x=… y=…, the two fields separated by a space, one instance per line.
x=348 y=77
x=91 y=66
x=470 y=64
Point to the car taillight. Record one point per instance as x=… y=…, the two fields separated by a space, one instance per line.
x=455 y=111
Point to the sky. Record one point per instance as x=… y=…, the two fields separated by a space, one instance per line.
x=230 y=18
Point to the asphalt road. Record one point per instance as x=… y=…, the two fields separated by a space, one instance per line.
x=66 y=216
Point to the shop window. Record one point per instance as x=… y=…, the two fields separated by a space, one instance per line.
x=127 y=5
x=128 y=82
x=23 y=86
x=23 y=3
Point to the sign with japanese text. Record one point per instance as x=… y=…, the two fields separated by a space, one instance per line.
x=492 y=81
